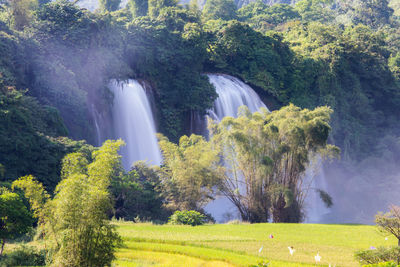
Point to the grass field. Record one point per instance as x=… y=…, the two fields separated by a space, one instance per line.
x=239 y=244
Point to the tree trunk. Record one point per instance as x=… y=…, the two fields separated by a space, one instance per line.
x=2 y=247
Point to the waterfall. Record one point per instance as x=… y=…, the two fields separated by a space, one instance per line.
x=97 y=118
x=314 y=207
x=134 y=123
x=232 y=93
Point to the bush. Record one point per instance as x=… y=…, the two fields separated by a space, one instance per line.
x=24 y=256
x=379 y=255
x=187 y=217
x=383 y=264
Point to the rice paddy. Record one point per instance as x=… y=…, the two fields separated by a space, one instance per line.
x=245 y=244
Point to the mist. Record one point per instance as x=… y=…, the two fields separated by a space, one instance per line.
x=360 y=189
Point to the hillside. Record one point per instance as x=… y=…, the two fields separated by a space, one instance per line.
x=58 y=59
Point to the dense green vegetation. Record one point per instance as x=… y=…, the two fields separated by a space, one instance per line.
x=310 y=54
x=271 y=150
x=56 y=60
x=74 y=223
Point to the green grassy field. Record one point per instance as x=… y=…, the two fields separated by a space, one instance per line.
x=239 y=244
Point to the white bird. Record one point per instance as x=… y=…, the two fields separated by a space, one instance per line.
x=386 y=238
x=291 y=250
x=259 y=251
x=317 y=258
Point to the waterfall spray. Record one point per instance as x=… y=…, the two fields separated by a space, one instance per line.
x=133 y=122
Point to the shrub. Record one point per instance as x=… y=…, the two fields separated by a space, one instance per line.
x=383 y=264
x=187 y=217
x=379 y=255
x=24 y=256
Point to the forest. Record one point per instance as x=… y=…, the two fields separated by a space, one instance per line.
x=328 y=70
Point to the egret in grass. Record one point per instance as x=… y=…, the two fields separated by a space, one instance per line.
x=317 y=258
x=259 y=251
x=291 y=250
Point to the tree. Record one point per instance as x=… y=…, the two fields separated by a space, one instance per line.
x=22 y=12
x=373 y=13
x=390 y=222
x=315 y=10
x=219 y=9
x=266 y=155
x=155 y=6
x=138 y=7
x=263 y=17
x=74 y=222
x=138 y=194
x=109 y=5
x=15 y=219
x=190 y=172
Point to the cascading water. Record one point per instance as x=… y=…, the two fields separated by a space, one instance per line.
x=97 y=119
x=134 y=123
x=314 y=206
x=232 y=93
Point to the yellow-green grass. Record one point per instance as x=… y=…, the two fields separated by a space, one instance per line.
x=239 y=244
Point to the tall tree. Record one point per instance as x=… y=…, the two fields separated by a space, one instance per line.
x=22 y=12
x=109 y=5
x=266 y=155
x=155 y=6
x=315 y=10
x=138 y=7
x=219 y=9
x=15 y=218
x=191 y=171
x=75 y=223
x=374 y=13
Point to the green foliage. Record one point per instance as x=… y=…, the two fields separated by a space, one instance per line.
x=374 y=13
x=262 y=17
x=109 y=5
x=379 y=255
x=75 y=223
x=138 y=194
x=24 y=256
x=337 y=68
x=271 y=151
x=390 y=222
x=15 y=220
x=261 y=264
x=27 y=131
x=22 y=12
x=382 y=264
x=260 y=60
x=325 y=197
x=187 y=217
x=315 y=10
x=170 y=53
x=219 y=9
x=155 y=6
x=190 y=172
x=138 y=8
x=72 y=57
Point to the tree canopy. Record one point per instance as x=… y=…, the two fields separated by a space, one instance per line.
x=266 y=155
